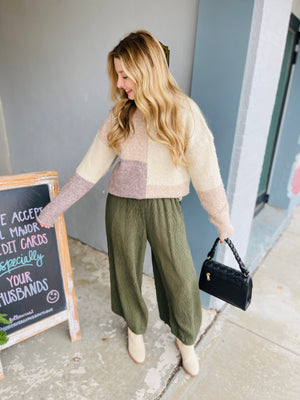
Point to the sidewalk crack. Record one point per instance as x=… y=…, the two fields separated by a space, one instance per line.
x=264 y=338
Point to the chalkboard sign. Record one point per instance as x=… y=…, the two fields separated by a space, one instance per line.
x=36 y=286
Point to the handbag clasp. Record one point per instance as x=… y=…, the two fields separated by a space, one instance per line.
x=208 y=276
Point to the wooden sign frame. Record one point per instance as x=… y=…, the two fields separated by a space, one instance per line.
x=70 y=314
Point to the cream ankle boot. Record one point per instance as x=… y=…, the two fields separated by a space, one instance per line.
x=136 y=347
x=189 y=359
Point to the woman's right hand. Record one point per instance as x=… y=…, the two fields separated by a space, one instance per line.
x=45 y=226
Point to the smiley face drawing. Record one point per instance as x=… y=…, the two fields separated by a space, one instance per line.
x=53 y=296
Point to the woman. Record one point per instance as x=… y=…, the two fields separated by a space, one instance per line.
x=162 y=140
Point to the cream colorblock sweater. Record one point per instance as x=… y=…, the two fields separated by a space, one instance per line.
x=145 y=169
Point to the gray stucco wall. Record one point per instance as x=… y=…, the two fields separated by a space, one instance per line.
x=54 y=86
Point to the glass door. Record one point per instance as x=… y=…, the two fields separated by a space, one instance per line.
x=288 y=60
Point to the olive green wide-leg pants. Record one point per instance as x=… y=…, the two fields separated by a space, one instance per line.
x=129 y=224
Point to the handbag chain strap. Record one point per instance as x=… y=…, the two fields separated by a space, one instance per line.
x=211 y=254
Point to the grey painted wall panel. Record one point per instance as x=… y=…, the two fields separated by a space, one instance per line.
x=220 y=56
x=54 y=85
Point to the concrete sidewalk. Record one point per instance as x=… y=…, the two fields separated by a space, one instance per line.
x=254 y=355
x=243 y=355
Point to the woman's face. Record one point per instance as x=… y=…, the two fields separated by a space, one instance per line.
x=124 y=82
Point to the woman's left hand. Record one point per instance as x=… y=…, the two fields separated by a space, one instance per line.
x=222 y=240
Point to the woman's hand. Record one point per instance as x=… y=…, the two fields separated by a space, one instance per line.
x=45 y=226
x=222 y=240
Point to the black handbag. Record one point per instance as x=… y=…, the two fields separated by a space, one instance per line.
x=226 y=283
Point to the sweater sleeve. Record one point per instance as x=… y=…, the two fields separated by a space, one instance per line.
x=99 y=157
x=73 y=190
x=93 y=167
x=205 y=174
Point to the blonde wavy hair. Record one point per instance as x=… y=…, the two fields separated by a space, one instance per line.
x=157 y=95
